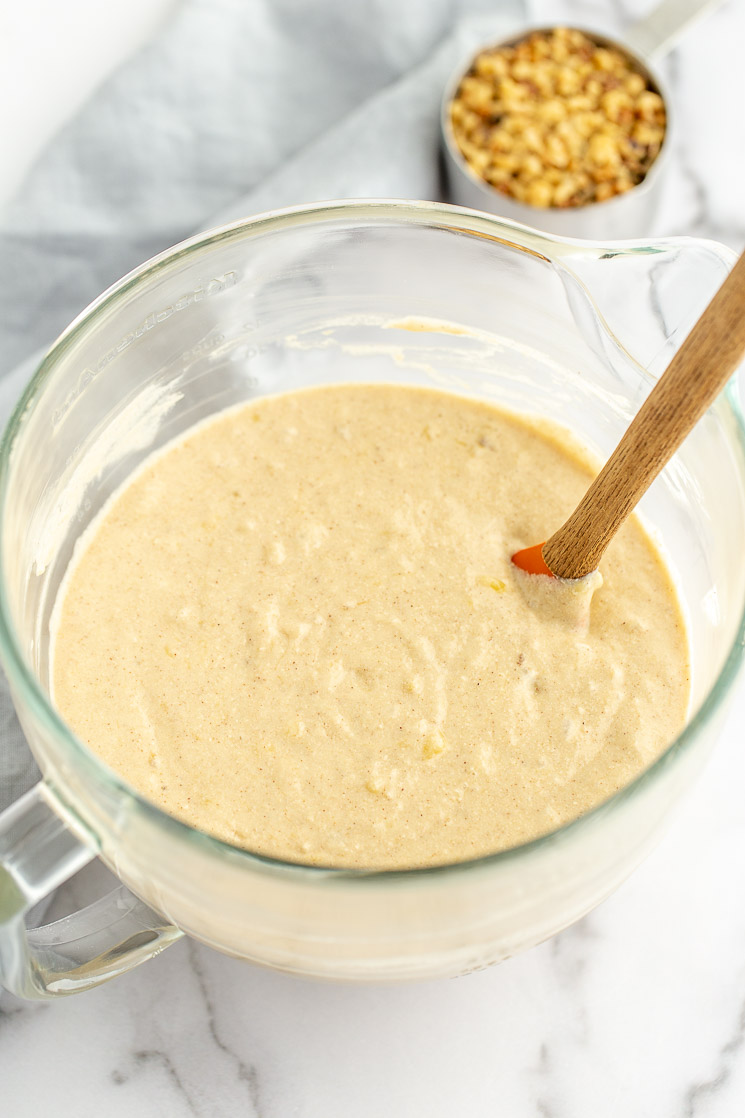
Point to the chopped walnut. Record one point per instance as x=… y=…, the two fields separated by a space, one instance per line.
x=557 y=120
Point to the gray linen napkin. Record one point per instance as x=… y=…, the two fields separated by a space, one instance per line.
x=235 y=108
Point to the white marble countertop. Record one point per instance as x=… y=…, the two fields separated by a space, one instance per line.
x=638 y=1011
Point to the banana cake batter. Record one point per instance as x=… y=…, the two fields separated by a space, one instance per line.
x=299 y=629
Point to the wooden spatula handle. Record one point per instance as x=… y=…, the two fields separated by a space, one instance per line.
x=676 y=403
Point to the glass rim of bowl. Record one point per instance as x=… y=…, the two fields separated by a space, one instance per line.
x=548 y=247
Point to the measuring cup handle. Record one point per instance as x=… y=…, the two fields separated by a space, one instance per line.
x=658 y=32
x=37 y=853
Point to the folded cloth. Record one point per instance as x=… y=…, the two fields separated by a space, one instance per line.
x=235 y=108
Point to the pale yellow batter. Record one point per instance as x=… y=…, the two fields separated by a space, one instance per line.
x=300 y=630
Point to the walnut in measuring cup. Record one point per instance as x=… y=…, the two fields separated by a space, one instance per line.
x=557 y=120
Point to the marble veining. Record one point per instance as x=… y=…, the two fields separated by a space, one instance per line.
x=245 y=1073
x=695 y=1100
x=638 y=1011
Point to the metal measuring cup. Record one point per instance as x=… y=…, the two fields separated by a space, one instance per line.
x=625 y=215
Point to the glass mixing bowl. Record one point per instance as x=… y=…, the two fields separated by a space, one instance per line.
x=571 y=330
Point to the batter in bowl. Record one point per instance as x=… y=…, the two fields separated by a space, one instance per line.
x=299 y=629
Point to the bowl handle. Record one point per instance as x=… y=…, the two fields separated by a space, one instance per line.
x=37 y=853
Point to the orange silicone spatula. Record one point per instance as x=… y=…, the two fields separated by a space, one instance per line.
x=694 y=377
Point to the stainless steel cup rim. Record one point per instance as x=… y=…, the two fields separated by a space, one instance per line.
x=27 y=689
